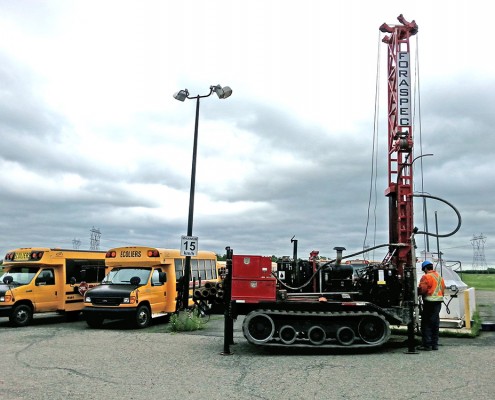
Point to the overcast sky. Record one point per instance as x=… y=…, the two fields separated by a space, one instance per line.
x=92 y=137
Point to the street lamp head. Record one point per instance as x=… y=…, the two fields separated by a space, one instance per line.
x=222 y=92
x=181 y=95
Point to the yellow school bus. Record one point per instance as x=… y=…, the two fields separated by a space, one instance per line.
x=143 y=283
x=40 y=280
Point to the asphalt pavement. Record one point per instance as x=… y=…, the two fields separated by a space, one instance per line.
x=54 y=359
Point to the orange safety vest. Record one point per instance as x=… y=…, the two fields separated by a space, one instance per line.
x=431 y=286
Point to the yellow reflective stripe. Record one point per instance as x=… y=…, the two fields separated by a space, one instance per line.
x=434 y=296
x=439 y=285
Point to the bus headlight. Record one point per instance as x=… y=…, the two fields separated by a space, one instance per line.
x=5 y=299
x=87 y=299
x=129 y=300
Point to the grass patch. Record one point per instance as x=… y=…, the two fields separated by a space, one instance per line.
x=475 y=329
x=479 y=281
x=186 y=321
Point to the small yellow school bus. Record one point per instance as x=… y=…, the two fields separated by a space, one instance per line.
x=40 y=280
x=143 y=283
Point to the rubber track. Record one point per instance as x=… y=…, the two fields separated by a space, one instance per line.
x=275 y=342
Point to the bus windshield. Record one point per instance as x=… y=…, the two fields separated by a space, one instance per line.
x=124 y=275
x=20 y=275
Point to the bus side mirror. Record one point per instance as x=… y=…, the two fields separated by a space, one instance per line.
x=8 y=279
x=162 y=277
x=72 y=281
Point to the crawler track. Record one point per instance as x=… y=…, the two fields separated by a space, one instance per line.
x=358 y=329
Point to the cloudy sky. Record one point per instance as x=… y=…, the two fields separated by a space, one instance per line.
x=92 y=137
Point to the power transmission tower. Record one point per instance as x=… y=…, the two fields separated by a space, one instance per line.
x=479 y=260
x=95 y=239
x=76 y=243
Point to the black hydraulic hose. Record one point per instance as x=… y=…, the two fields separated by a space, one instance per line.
x=459 y=219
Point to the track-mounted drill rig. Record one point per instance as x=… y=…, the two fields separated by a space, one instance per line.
x=329 y=303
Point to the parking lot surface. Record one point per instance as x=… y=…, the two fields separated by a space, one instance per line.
x=54 y=359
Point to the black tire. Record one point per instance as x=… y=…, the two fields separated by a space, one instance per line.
x=22 y=315
x=94 y=322
x=143 y=317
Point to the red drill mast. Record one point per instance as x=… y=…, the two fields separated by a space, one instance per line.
x=400 y=139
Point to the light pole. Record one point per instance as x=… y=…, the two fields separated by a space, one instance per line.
x=223 y=93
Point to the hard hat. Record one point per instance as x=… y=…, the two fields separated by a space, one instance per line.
x=425 y=264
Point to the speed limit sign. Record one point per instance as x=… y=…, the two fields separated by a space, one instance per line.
x=189 y=246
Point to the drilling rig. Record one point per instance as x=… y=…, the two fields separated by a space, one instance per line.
x=308 y=303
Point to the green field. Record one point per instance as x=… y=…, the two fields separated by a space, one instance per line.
x=479 y=281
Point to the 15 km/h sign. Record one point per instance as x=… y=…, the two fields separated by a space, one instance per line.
x=189 y=246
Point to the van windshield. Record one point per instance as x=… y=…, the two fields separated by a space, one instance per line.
x=20 y=275
x=124 y=275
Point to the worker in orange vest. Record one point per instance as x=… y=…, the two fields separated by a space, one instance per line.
x=431 y=288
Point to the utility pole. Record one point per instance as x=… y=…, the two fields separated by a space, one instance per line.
x=76 y=243
x=479 y=260
x=95 y=239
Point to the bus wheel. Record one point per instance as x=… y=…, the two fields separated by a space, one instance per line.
x=94 y=322
x=143 y=317
x=22 y=315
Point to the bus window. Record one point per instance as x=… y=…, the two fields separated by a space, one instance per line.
x=84 y=270
x=208 y=271
x=201 y=269
x=46 y=277
x=20 y=275
x=213 y=267
x=155 y=278
x=179 y=268
x=194 y=269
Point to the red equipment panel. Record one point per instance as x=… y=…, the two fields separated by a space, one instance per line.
x=251 y=267
x=254 y=290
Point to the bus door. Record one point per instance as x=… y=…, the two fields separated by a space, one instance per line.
x=47 y=292
x=158 y=292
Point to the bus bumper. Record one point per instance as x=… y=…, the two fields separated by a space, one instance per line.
x=108 y=312
x=6 y=311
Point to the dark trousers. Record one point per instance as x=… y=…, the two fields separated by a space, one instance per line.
x=430 y=322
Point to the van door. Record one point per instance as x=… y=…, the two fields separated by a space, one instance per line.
x=46 y=291
x=158 y=293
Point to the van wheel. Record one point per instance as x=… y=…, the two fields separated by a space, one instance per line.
x=22 y=315
x=143 y=317
x=94 y=322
